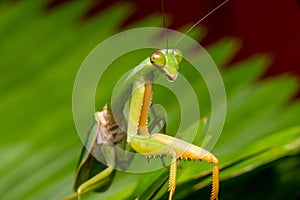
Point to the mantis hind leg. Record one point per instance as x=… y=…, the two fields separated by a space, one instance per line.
x=95 y=182
x=99 y=180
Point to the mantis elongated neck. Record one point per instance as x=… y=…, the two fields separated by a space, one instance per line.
x=144 y=69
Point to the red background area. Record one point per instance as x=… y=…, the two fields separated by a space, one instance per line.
x=271 y=26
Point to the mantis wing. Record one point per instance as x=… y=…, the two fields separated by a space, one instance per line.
x=88 y=165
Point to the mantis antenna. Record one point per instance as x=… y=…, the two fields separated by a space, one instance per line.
x=164 y=22
x=200 y=20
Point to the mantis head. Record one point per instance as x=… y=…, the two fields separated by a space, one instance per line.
x=167 y=61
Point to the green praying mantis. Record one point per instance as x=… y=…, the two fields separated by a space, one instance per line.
x=106 y=137
x=167 y=62
x=138 y=138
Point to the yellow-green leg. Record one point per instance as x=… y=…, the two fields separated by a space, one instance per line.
x=91 y=184
x=95 y=182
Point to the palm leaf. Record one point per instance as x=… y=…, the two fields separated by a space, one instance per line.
x=41 y=52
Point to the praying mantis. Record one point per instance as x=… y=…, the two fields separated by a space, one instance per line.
x=138 y=138
x=157 y=145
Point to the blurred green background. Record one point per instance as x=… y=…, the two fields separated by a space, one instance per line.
x=42 y=48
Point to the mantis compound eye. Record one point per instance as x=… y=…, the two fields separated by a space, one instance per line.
x=178 y=55
x=158 y=59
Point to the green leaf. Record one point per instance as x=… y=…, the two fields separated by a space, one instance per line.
x=41 y=53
